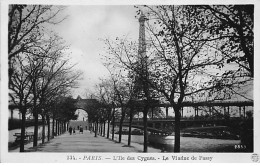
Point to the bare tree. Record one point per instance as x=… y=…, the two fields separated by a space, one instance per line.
x=21 y=92
x=181 y=64
x=235 y=25
x=51 y=66
x=59 y=78
x=25 y=28
x=105 y=94
x=129 y=86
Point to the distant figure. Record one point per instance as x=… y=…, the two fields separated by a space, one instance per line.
x=163 y=149
x=70 y=130
x=81 y=129
x=86 y=127
x=78 y=127
x=74 y=131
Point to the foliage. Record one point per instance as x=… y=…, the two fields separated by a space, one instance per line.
x=25 y=27
x=38 y=71
x=66 y=109
x=182 y=61
x=232 y=26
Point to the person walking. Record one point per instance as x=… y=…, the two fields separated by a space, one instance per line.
x=80 y=129
x=74 y=131
x=70 y=130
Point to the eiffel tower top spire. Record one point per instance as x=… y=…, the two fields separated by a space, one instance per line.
x=142 y=17
x=142 y=43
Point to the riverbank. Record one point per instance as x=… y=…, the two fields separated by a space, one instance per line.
x=190 y=144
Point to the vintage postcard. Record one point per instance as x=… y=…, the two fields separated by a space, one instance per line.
x=130 y=81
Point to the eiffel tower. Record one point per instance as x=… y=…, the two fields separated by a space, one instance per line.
x=141 y=65
x=142 y=42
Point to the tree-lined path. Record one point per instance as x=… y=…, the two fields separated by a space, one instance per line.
x=85 y=142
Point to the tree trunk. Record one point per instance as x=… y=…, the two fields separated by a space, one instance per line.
x=12 y=114
x=130 y=127
x=177 y=130
x=22 y=130
x=121 y=125
x=108 y=128
x=96 y=129
x=113 y=125
x=145 y=128
x=60 y=124
x=35 y=114
x=53 y=125
x=61 y=127
x=58 y=133
x=56 y=129
x=49 y=127
x=35 y=134
x=101 y=129
x=43 y=129
x=104 y=134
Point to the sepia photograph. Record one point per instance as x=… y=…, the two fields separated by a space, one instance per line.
x=135 y=82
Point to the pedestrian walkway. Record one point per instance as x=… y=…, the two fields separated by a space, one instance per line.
x=85 y=142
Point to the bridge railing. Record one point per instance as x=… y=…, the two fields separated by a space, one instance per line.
x=182 y=119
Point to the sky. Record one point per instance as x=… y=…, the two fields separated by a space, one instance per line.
x=84 y=30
